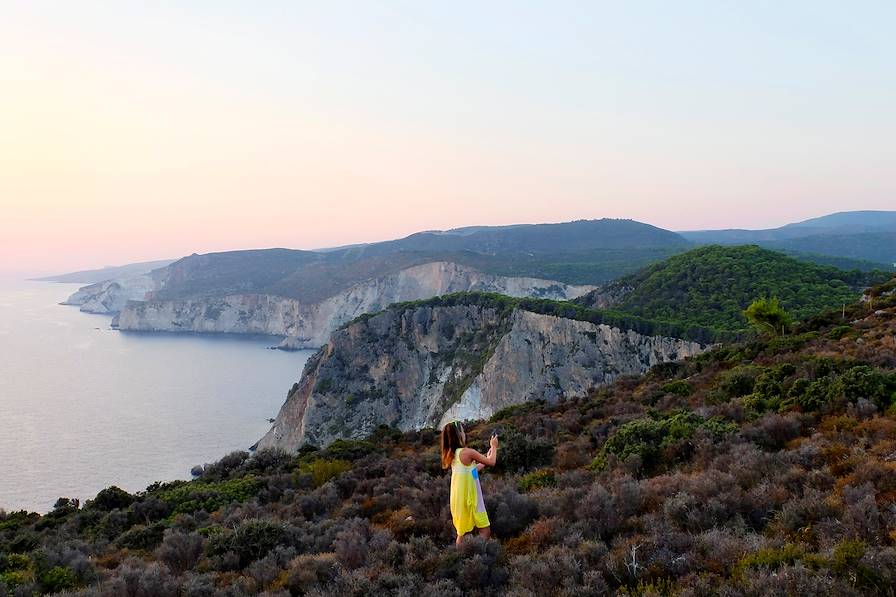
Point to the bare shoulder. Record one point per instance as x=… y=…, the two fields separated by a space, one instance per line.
x=467 y=455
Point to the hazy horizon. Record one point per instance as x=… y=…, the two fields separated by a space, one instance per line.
x=113 y=263
x=135 y=133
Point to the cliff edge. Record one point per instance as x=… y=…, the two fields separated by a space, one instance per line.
x=421 y=364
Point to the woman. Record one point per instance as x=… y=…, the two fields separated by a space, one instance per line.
x=467 y=505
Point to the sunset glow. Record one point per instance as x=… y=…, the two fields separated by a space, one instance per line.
x=130 y=133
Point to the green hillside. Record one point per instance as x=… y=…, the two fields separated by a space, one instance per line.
x=711 y=286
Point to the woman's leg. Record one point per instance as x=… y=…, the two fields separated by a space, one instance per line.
x=485 y=532
x=459 y=539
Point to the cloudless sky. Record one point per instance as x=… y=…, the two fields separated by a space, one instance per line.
x=133 y=131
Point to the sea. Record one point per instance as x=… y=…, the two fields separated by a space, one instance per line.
x=84 y=407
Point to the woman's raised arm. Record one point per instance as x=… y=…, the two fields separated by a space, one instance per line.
x=469 y=455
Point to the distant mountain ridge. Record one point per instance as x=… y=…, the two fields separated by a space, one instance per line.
x=859 y=220
x=861 y=235
x=92 y=276
x=523 y=250
x=566 y=237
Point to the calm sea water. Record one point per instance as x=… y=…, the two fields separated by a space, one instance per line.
x=83 y=407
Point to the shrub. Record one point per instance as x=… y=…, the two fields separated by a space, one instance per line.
x=839 y=331
x=152 y=580
x=345 y=449
x=864 y=382
x=198 y=585
x=180 y=550
x=267 y=461
x=110 y=499
x=322 y=470
x=305 y=450
x=12 y=521
x=719 y=427
x=150 y=509
x=773 y=431
x=537 y=480
x=187 y=497
x=572 y=455
x=59 y=578
x=519 y=452
x=515 y=410
x=311 y=572
x=770 y=557
x=477 y=565
x=16 y=570
x=22 y=542
x=223 y=468
x=509 y=512
x=738 y=381
x=113 y=524
x=141 y=537
x=678 y=387
x=350 y=545
x=268 y=569
x=557 y=571
x=768 y=389
x=250 y=540
x=847 y=562
x=647 y=439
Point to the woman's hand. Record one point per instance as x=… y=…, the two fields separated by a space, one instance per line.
x=493 y=442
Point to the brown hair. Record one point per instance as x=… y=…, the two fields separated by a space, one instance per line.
x=450 y=442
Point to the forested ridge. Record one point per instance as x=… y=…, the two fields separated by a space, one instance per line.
x=762 y=467
x=579 y=252
x=710 y=287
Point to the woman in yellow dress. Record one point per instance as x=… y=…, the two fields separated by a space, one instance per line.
x=467 y=505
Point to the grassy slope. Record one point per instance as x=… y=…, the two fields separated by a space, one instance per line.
x=711 y=286
x=762 y=468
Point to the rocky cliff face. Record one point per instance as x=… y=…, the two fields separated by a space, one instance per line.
x=111 y=296
x=605 y=296
x=424 y=365
x=309 y=324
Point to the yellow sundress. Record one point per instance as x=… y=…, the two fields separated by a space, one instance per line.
x=467 y=505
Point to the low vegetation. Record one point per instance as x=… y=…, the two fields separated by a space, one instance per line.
x=764 y=467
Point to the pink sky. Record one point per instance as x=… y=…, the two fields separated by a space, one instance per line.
x=136 y=133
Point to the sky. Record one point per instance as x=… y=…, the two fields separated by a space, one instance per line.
x=133 y=131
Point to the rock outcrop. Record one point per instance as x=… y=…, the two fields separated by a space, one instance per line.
x=111 y=296
x=308 y=324
x=606 y=296
x=420 y=365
